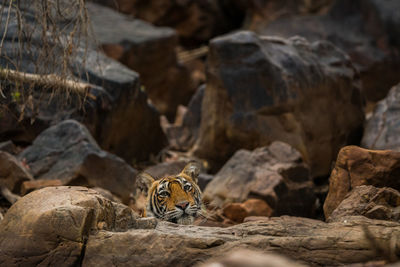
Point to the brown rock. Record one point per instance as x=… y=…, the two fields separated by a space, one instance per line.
x=257 y=207
x=9 y=147
x=251 y=258
x=356 y=166
x=29 y=186
x=275 y=174
x=371 y=202
x=51 y=226
x=12 y=172
x=149 y=50
x=382 y=129
x=309 y=241
x=289 y=83
x=235 y=212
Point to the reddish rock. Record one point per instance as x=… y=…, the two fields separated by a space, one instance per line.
x=29 y=186
x=235 y=212
x=257 y=207
x=356 y=166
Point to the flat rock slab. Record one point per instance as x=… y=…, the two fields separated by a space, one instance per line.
x=309 y=241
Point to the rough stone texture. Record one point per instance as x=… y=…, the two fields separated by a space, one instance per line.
x=356 y=166
x=115 y=101
x=166 y=168
x=262 y=89
x=148 y=50
x=367 y=30
x=12 y=172
x=275 y=174
x=196 y=21
x=69 y=153
x=371 y=202
x=382 y=130
x=310 y=241
x=250 y=258
x=182 y=137
x=51 y=226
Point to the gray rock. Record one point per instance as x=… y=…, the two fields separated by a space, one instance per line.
x=275 y=174
x=263 y=89
x=9 y=147
x=69 y=153
x=382 y=129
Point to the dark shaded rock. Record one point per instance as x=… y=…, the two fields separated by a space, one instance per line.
x=51 y=226
x=69 y=153
x=356 y=166
x=196 y=21
x=275 y=174
x=382 y=129
x=9 y=147
x=148 y=50
x=115 y=100
x=12 y=172
x=310 y=241
x=166 y=168
x=366 y=30
x=371 y=202
x=250 y=258
x=262 y=89
x=182 y=137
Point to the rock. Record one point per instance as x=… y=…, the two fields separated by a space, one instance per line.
x=275 y=174
x=29 y=186
x=203 y=180
x=382 y=129
x=235 y=212
x=69 y=153
x=51 y=226
x=282 y=77
x=310 y=241
x=250 y=258
x=356 y=166
x=183 y=136
x=114 y=99
x=148 y=50
x=195 y=21
x=257 y=207
x=9 y=147
x=371 y=202
x=12 y=172
x=373 y=47
x=166 y=168
x=107 y=194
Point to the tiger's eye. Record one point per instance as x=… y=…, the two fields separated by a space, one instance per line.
x=163 y=194
x=187 y=187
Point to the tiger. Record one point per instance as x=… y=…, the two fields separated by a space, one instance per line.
x=175 y=198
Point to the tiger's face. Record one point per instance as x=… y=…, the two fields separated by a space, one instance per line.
x=174 y=198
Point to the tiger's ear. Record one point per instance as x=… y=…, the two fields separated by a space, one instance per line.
x=144 y=182
x=192 y=169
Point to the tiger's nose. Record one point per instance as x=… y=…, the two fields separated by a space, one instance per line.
x=182 y=205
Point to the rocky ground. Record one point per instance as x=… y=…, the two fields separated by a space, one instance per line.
x=290 y=107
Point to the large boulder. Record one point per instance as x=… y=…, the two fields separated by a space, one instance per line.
x=371 y=202
x=52 y=226
x=310 y=241
x=67 y=151
x=356 y=166
x=382 y=129
x=366 y=29
x=115 y=109
x=275 y=174
x=149 y=50
x=262 y=89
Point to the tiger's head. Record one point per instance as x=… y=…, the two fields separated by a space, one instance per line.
x=175 y=198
